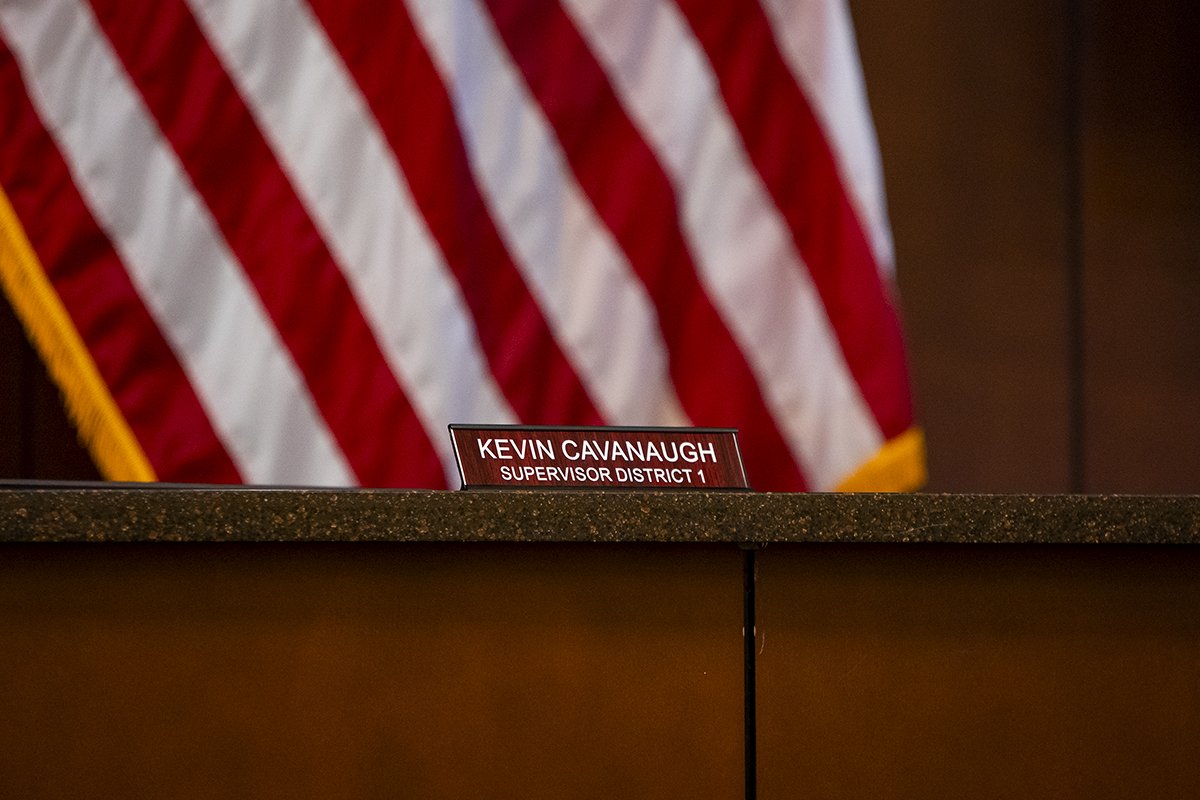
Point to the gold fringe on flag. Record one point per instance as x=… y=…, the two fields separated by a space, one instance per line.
x=91 y=407
x=899 y=466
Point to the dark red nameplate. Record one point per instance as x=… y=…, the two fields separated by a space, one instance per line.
x=533 y=456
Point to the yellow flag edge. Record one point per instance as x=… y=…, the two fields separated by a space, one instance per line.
x=102 y=427
x=898 y=466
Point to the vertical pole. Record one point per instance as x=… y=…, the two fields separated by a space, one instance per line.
x=750 y=699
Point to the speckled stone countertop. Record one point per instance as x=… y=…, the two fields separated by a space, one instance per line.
x=120 y=513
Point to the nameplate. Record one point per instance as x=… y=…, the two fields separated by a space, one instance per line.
x=532 y=456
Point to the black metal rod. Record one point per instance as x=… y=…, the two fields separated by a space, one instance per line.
x=750 y=698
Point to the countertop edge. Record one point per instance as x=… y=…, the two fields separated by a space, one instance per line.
x=159 y=513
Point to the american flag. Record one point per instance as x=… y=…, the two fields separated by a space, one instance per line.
x=288 y=242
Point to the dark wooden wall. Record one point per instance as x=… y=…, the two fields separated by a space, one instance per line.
x=36 y=440
x=1043 y=168
x=1042 y=164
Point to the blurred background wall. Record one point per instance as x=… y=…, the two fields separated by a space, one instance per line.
x=1043 y=171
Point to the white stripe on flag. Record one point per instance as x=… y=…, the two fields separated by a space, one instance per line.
x=589 y=293
x=328 y=141
x=742 y=246
x=816 y=39
x=176 y=257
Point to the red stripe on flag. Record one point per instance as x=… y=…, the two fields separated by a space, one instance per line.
x=788 y=147
x=634 y=197
x=269 y=230
x=407 y=97
x=146 y=380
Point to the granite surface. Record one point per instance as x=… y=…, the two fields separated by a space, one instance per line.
x=124 y=513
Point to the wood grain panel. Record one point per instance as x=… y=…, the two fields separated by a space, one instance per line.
x=36 y=439
x=968 y=100
x=365 y=671
x=12 y=369
x=943 y=671
x=55 y=451
x=1142 y=201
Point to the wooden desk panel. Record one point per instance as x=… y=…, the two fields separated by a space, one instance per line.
x=370 y=670
x=983 y=672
